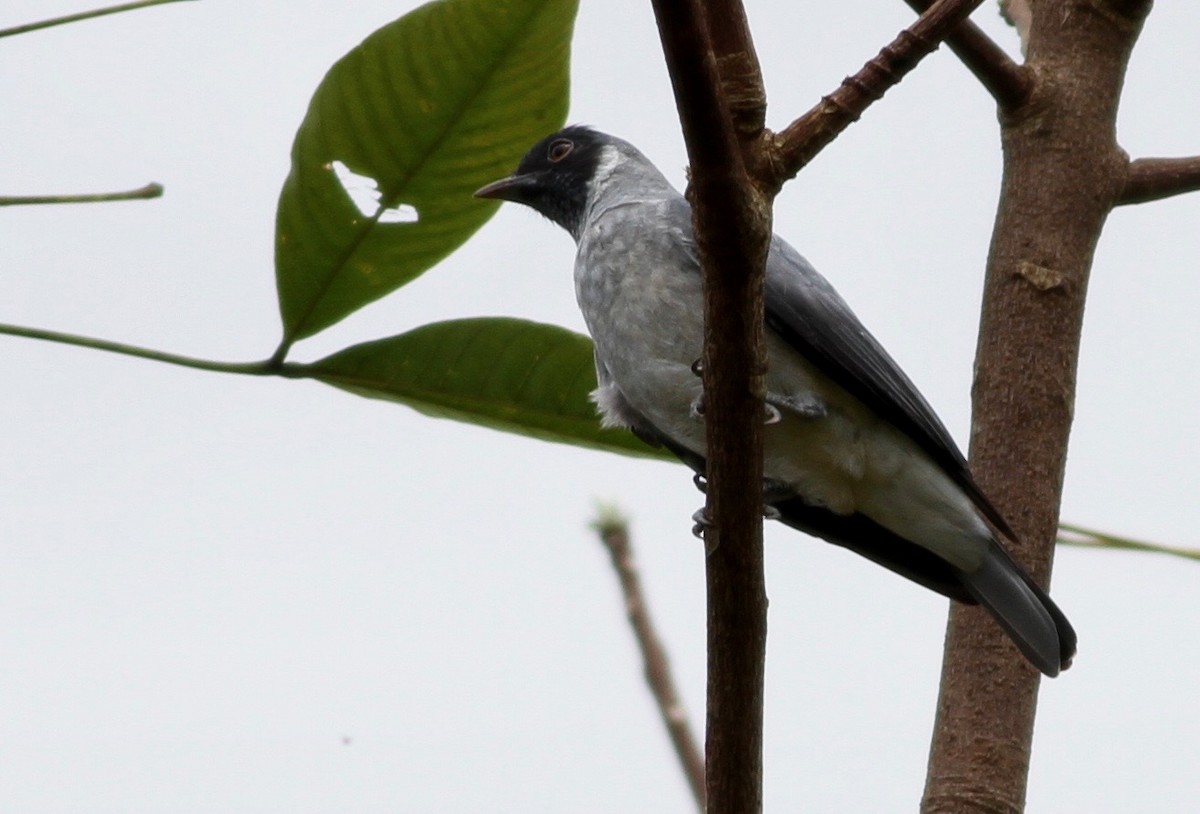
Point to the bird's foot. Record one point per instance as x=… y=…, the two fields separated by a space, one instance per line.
x=701 y=527
x=701 y=483
x=804 y=405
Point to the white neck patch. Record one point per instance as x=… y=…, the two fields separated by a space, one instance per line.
x=610 y=157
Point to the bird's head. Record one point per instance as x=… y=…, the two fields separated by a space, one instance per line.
x=555 y=177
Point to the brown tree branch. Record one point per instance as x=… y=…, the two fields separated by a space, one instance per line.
x=737 y=69
x=614 y=533
x=733 y=227
x=1152 y=179
x=1063 y=172
x=1008 y=82
x=801 y=140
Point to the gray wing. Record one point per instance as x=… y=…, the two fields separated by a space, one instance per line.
x=804 y=309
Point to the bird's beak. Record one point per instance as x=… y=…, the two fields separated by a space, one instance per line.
x=512 y=188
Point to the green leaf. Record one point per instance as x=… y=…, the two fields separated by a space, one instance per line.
x=509 y=374
x=429 y=108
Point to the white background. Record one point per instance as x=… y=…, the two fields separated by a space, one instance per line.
x=223 y=593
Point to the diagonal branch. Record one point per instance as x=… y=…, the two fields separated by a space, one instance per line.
x=1007 y=81
x=1152 y=179
x=614 y=533
x=801 y=140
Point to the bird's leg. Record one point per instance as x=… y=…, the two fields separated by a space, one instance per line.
x=697 y=411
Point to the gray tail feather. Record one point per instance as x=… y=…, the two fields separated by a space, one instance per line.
x=1023 y=610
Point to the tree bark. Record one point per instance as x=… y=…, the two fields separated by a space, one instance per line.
x=1063 y=173
x=733 y=226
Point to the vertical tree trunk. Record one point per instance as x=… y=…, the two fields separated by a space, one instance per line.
x=1063 y=172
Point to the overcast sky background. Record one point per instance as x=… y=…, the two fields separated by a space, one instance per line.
x=233 y=594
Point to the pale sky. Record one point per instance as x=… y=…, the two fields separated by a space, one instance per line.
x=230 y=594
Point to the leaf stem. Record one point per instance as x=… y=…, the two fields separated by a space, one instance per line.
x=151 y=190
x=83 y=15
x=1086 y=538
x=264 y=368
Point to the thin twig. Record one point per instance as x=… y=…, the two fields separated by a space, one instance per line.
x=83 y=15
x=614 y=533
x=1007 y=81
x=151 y=190
x=1152 y=179
x=801 y=140
x=1087 y=538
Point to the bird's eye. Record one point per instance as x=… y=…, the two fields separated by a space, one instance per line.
x=560 y=149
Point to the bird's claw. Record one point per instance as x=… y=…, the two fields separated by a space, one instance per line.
x=773 y=416
x=697 y=411
x=700 y=483
x=701 y=527
x=698 y=367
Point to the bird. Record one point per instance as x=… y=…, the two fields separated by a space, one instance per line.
x=852 y=452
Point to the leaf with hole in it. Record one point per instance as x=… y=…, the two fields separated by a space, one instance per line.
x=509 y=374
x=398 y=136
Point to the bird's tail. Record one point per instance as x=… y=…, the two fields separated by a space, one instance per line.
x=1030 y=617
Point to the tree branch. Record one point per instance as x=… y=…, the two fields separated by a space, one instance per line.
x=741 y=81
x=1008 y=82
x=614 y=533
x=733 y=227
x=1152 y=179
x=801 y=140
x=1063 y=171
